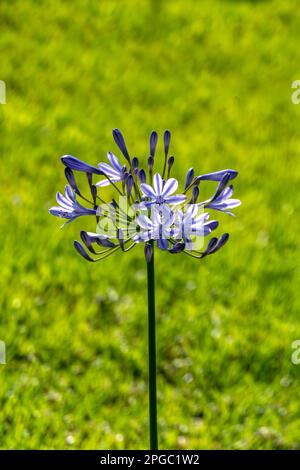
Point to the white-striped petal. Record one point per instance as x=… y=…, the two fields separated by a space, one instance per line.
x=108 y=170
x=170 y=187
x=175 y=199
x=114 y=161
x=157 y=184
x=148 y=190
x=107 y=182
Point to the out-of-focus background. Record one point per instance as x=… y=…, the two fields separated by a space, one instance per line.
x=218 y=74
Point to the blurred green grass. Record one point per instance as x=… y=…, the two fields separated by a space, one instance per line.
x=218 y=74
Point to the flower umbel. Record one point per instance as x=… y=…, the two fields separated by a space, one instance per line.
x=148 y=207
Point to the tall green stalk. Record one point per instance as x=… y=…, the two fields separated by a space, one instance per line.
x=152 y=354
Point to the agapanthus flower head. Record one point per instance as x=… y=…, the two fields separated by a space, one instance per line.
x=148 y=207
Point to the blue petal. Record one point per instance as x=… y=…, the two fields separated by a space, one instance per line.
x=148 y=190
x=157 y=184
x=115 y=162
x=59 y=212
x=162 y=244
x=63 y=201
x=175 y=199
x=108 y=170
x=170 y=187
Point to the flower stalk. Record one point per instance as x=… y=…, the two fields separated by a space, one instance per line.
x=152 y=352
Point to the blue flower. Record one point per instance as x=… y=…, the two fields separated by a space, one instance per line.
x=188 y=224
x=224 y=201
x=158 y=227
x=161 y=191
x=68 y=207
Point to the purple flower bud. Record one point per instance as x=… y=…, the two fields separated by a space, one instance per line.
x=119 y=139
x=135 y=162
x=78 y=165
x=195 y=194
x=218 y=175
x=189 y=178
x=82 y=251
x=170 y=162
x=153 y=143
x=129 y=184
x=210 y=246
x=221 y=242
x=150 y=163
x=177 y=248
x=148 y=252
x=167 y=138
x=87 y=241
x=142 y=176
x=71 y=179
x=90 y=178
x=94 y=193
x=105 y=242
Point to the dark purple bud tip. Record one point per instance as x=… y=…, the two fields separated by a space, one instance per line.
x=212 y=225
x=135 y=162
x=177 y=248
x=142 y=176
x=153 y=143
x=167 y=138
x=189 y=178
x=171 y=162
x=119 y=139
x=148 y=252
x=82 y=251
x=150 y=163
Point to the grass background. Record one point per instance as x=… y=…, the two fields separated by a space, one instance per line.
x=218 y=74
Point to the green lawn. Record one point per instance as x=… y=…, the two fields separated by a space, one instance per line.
x=218 y=74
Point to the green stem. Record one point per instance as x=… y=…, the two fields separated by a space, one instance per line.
x=152 y=354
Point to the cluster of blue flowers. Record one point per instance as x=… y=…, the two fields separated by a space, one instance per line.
x=148 y=209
